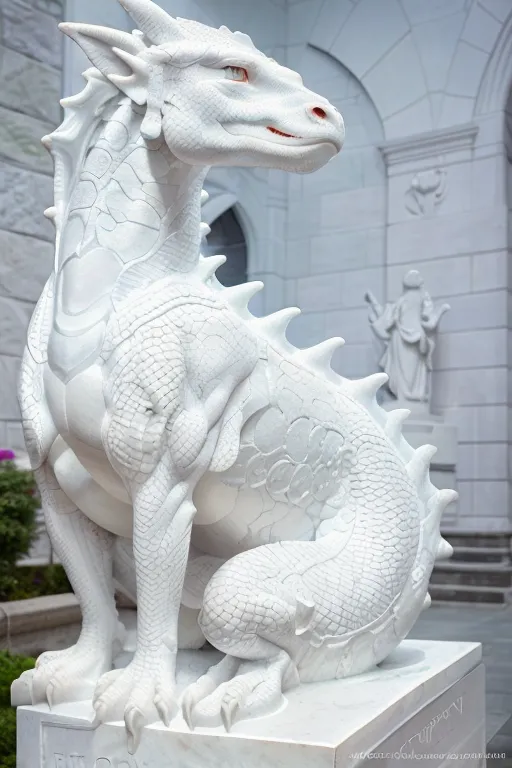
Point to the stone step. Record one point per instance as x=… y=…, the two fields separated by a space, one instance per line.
x=481 y=555
x=477 y=539
x=475 y=574
x=467 y=594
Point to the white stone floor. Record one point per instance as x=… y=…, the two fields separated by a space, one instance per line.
x=491 y=626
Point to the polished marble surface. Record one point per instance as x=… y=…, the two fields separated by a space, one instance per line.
x=319 y=726
x=491 y=626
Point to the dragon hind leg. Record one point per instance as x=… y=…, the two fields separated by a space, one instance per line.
x=247 y=625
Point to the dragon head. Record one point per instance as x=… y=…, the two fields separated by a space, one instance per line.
x=217 y=99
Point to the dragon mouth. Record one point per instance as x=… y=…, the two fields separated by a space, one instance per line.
x=282 y=133
x=292 y=141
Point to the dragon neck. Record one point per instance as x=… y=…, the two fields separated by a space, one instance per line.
x=129 y=216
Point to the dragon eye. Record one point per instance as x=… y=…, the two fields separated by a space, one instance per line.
x=237 y=73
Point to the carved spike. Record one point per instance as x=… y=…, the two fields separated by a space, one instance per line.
x=90 y=76
x=123 y=81
x=394 y=422
x=106 y=35
x=239 y=296
x=418 y=466
x=364 y=390
x=50 y=212
x=245 y=40
x=132 y=85
x=440 y=500
x=154 y=22
x=204 y=230
x=208 y=266
x=135 y=63
x=46 y=141
x=274 y=326
x=204 y=196
x=444 y=550
x=319 y=356
x=304 y=611
x=427 y=602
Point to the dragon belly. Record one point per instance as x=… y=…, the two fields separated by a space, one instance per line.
x=78 y=410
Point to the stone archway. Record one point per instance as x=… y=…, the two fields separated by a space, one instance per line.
x=227 y=237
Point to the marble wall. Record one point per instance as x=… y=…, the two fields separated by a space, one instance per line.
x=421 y=183
x=30 y=88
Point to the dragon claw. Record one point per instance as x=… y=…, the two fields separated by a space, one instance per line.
x=50 y=692
x=228 y=711
x=163 y=707
x=135 y=722
x=187 y=706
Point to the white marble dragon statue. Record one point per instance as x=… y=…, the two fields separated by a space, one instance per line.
x=235 y=486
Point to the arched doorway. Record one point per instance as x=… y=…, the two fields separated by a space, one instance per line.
x=227 y=237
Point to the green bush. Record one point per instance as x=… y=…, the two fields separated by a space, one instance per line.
x=18 y=505
x=11 y=668
x=36 y=581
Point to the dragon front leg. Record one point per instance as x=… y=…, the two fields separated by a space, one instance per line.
x=85 y=550
x=162 y=441
x=144 y=692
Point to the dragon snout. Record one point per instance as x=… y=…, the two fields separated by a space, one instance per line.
x=322 y=113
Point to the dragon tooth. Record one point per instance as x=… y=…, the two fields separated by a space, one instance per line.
x=418 y=467
x=204 y=196
x=274 y=326
x=394 y=422
x=208 y=266
x=204 y=230
x=50 y=212
x=364 y=390
x=320 y=356
x=239 y=296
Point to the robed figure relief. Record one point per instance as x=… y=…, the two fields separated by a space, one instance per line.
x=408 y=328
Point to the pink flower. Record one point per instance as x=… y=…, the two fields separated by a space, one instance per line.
x=6 y=454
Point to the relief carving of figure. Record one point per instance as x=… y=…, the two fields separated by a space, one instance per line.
x=407 y=327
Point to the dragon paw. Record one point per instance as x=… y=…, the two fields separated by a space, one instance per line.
x=62 y=676
x=252 y=689
x=142 y=693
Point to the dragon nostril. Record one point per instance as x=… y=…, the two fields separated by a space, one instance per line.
x=319 y=112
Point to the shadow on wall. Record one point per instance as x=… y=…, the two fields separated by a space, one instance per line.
x=227 y=238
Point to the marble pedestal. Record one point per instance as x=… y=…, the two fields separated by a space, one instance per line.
x=426 y=699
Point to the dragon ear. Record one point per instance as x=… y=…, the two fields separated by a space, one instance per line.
x=115 y=54
x=156 y=24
